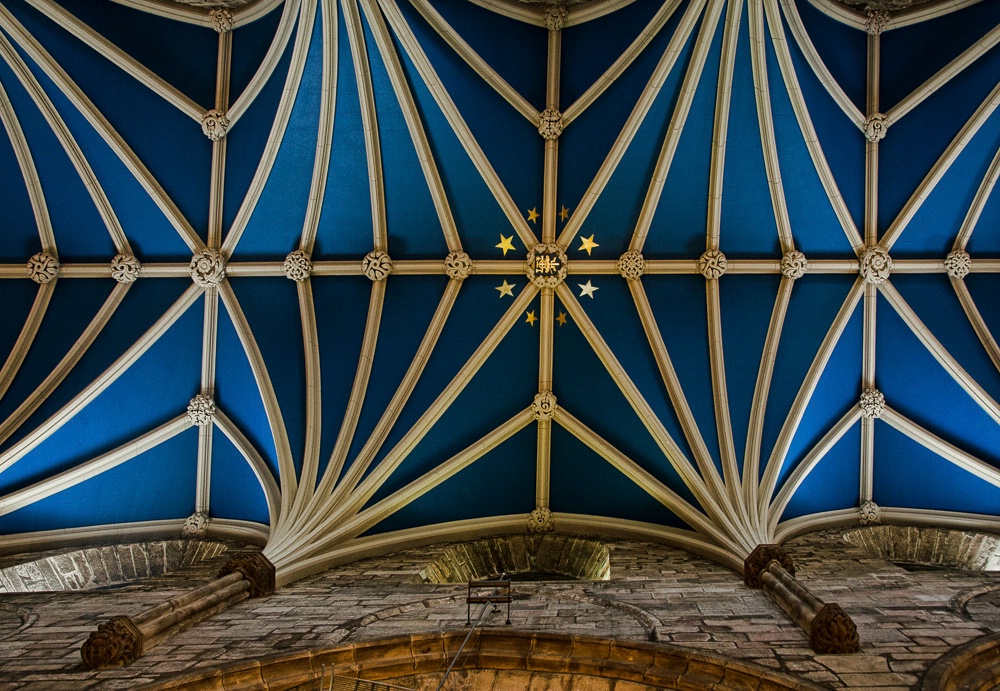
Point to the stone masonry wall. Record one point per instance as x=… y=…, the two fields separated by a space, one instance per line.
x=98 y=567
x=906 y=619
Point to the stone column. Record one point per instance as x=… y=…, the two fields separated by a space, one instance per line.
x=123 y=640
x=830 y=628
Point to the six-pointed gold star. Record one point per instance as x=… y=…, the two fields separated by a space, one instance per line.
x=531 y=318
x=563 y=214
x=588 y=244
x=506 y=289
x=506 y=244
x=533 y=215
x=561 y=319
x=587 y=289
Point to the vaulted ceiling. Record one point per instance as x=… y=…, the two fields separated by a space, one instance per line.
x=343 y=276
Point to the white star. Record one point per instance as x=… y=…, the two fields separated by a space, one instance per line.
x=587 y=289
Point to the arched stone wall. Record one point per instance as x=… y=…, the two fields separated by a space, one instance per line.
x=575 y=662
x=99 y=567
x=572 y=557
x=974 y=666
x=957 y=549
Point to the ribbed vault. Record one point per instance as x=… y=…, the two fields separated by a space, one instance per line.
x=341 y=277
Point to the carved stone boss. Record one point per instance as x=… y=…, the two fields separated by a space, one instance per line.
x=546 y=265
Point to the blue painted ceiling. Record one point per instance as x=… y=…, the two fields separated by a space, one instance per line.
x=688 y=403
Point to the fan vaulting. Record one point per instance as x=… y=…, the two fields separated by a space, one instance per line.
x=336 y=277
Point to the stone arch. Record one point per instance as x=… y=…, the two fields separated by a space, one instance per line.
x=527 y=658
x=958 y=549
x=109 y=565
x=561 y=555
x=974 y=666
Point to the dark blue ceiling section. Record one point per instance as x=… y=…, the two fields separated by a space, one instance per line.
x=915 y=143
x=511 y=143
x=413 y=226
x=150 y=233
x=519 y=58
x=345 y=228
x=236 y=392
x=811 y=311
x=20 y=237
x=275 y=227
x=679 y=304
x=933 y=229
x=913 y=54
x=618 y=321
x=918 y=387
x=585 y=143
x=407 y=311
x=746 y=304
x=836 y=393
x=933 y=299
x=844 y=50
x=835 y=481
x=182 y=54
x=183 y=169
x=250 y=45
x=505 y=385
x=247 y=138
x=477 y=214
x=678 y=228
x=500 y=483
x=584 y=388
x=614 y=32
x=842 y=143
x=71 y=211
x=157 y=485
x=272 y=311
x=92 y=241
x=815 y=226
x=341 y=312
x=983 y=288
x=907 y=475
x=616 y=211
x=986 y=234
x=16 y=299
x=143 y=304
x=236 y=493
x=473 y=316
x=584 y=483
x=748 y=227
x=71 y=308
x=123 y=411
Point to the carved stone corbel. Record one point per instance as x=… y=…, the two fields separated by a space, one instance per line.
x=117 y=642
x=256 y=569
x=833 y=631
x=758 y=560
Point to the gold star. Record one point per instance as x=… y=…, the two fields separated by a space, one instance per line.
x=564 y=214
x=506 y=244
x=588 y=244
x=587 y=289
x=505 y=289
x=561 y=319
x=531 y=318
x=533 y=215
